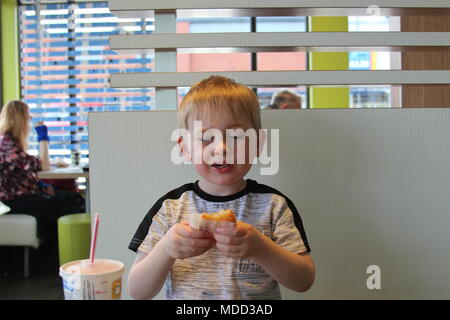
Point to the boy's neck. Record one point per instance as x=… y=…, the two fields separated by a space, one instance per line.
x=221 y=190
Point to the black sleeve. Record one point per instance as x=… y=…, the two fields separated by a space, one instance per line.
x=144 y=227
x=261 y=188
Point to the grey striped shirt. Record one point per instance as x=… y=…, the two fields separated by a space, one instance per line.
x=212 y=275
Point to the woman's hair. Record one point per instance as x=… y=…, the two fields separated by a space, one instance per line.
x=219 y=96
x=14 y=119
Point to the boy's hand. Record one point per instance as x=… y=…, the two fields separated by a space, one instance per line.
x=241 y=241
x=181 y=241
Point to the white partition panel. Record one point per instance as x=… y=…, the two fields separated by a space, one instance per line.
x=372 y=187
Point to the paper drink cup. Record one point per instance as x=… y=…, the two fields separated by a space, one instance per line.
x=101 y=280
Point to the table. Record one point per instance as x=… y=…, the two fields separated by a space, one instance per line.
x=63 y=173
x=68 y=173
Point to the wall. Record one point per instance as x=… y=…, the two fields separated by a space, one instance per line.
x=421 y=96
x=372 y=187
x=10 y=84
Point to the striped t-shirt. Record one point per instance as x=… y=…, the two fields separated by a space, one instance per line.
x=212 y=275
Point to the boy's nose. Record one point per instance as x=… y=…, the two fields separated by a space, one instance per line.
x=221 y=147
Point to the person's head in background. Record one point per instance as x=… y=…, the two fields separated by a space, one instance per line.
x=15 y=121
x=286 y=100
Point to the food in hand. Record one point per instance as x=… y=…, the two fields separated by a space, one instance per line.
x=223 y=215
x=211 y=221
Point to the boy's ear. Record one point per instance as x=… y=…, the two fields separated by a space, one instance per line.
x=262 y=138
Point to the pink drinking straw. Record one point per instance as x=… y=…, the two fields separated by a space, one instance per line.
x=94 y=238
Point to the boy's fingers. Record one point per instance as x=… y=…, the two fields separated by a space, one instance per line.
x=186 y=231
x=199 y=243
x=187 y=251
x=194 y=242
x=227 y=239
x=228 y=249
x=231 y=231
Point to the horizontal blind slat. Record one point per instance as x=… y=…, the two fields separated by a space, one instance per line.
x=258 y=41
x=283 y=78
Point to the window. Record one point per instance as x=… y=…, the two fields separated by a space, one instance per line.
x=370 y=96
x=242 y=61
x=65 y=67
x=66 y=62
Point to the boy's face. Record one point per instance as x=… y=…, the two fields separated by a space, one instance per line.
x=219 y=149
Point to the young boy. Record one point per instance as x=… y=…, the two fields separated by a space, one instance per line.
x=267 y=245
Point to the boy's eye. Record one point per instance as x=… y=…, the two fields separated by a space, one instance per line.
x=207 y=139
x=235 y=137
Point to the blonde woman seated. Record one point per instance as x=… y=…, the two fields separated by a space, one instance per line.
x=20 y=188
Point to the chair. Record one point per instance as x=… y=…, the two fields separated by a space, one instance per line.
x=20 y=230
x=74 y=237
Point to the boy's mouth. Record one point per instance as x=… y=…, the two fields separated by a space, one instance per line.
x=222 y=168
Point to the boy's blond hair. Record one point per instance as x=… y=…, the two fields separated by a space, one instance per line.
x=219 y=95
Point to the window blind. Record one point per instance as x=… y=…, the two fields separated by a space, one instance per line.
x=65 y=67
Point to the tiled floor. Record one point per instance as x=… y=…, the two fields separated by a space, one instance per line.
x=44 y=282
